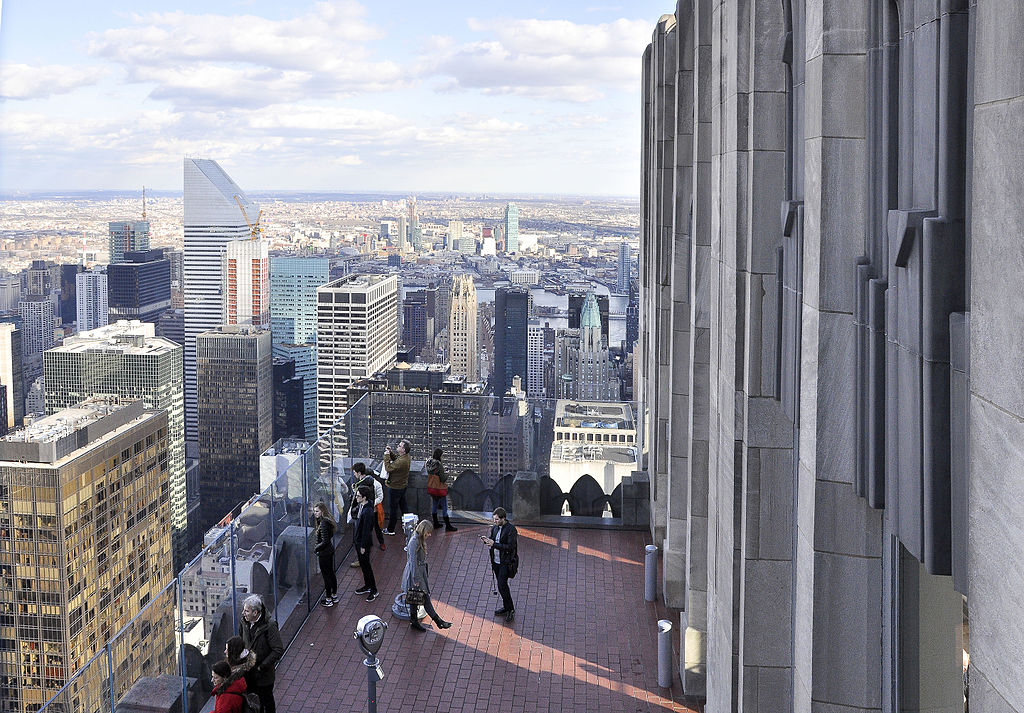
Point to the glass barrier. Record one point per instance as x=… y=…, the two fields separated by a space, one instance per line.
x=577 y=451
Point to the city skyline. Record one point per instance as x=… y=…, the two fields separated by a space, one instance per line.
x=332 y=96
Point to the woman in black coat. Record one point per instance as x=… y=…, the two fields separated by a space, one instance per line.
x=260 y=634
x=324 y=549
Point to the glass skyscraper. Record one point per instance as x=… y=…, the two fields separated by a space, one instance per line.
x=511 y=228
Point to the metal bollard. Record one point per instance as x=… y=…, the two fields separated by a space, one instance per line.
x=665 y=653
x=651 y=573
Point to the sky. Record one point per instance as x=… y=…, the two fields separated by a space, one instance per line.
x=476 y=97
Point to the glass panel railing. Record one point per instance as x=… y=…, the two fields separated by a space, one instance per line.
x=291 y=546
x=88 y=689
x=146 y=649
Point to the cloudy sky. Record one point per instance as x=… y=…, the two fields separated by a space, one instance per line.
x=525 y=97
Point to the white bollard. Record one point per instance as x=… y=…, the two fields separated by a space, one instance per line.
x=665 y=653
x=651 y=573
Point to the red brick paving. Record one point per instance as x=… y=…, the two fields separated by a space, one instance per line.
x=583 y=638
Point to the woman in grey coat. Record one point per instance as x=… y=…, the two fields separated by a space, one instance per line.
x=415 y=574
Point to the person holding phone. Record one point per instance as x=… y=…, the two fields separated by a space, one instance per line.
x=504 y=544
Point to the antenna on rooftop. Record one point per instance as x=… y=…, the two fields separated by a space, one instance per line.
x=143 y=202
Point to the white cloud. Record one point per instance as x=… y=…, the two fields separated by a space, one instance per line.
x=211 y=61
x=23 y=81
x=551 y=59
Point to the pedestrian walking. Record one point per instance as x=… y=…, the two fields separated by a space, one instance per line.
x=228 y=689
x=361 y=476
x=414 y=579
x=396 y=463
x=261 y=636
x=363 y=535
x=324 y=549
x=437 y=489
x=504 y=552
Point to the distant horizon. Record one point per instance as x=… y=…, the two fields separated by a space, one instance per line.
x=270 y=193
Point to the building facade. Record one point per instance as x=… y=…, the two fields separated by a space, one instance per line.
x=245 y=286
x=91 y=304
x=293 y=284
x=85 y=546
x=511 y=225
x=511 y=314
x=125 y=237
x=535 y=359
x=12 y=380
x=583 y=366
x=623 y=269
x=236 y=415
x=356 y=336
x=830 y=350
x=126 y=359
x=217 y=212
x=139 y=287
x=462 y=328
x=37 y=327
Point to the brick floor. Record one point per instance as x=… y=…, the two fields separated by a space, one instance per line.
x=583 y=638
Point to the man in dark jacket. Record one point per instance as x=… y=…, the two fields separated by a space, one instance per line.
x=363 y=536
x=504 y=544
x=260 y=634
x=397 y=466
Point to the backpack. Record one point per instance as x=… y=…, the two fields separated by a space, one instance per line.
x=250 y=702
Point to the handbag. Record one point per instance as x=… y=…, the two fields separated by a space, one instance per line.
x=380 y=514
x=415 y=596
x=435 y=487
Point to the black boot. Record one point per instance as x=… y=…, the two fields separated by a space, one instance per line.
x=437 y=523
x=441 y=623
x=414 y=622
x=448 y=526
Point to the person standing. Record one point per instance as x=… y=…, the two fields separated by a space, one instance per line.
x=228 y=689
x=437 y=488
x=396 y=463
x=415 y=575
x=324 y=549
x=504 y=544
x=363 y=535
x=261 y=636
x=360 y=476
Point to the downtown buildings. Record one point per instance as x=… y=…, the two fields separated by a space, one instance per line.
x=356 y=337
x=462 y=328
x=583 y=367
x=91 y=299
x=85 y=544
x=126 y=237
x=511 y=225
x=126 y=359
x=217 y=212
x=139 y=287
x=511 y=316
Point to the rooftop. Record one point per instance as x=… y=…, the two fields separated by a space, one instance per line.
x=583 y=639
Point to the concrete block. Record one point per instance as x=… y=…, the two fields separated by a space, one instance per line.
x=767 y=424
x=999 y=58
x=835 y=409
x=841 y=227
x=767 y=612
x=843 y=522
x=673 y=583
x=526 y=496
x=775 y=504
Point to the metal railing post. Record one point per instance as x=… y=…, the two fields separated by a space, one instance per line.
x=181 y=646
x=110 y=674
x=665 y=653
x=650 y=573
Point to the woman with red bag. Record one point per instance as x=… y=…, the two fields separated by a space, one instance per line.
x=437 y=488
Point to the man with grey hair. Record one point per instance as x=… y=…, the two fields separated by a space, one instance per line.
x=261 y=636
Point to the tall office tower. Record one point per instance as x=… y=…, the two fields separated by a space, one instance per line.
x=462 y=342
x=177 y=260
x=91 y=299
x=583 y=366
x=86 y=545
x=503 y=443
x=127 y=236
x=67 y=303
x=455 y=228
x=216 y=213
x=10 y=293
x=39 y=279
x=235 y=373
x=622 y=281
x=511 y=313
x=511 y=228
x=127 y=359
x=293 y=283
x=11 y=378
x=414 y=319
x=289 y=416
x=400 y=239
x=535 y=359
x=245 y=278
x=356 y=336
x=139 y=287
x=576 y=302
x=37 y=325
x=632 y=321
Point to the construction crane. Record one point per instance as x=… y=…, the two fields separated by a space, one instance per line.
x=255 y=229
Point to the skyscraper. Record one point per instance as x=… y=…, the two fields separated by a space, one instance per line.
x=216 y=213
x=289 y=416
x=511 y=312
x=235 y=415
x=622 y=279
x=535 y=359
x=511 y=228
x=39 y=279
x=86 y=543
x=583 y=368
x=68 y=286
x=127 y=236
x=293 y=284
x=356 y=336
x=37 y=325
x=403 y=232
x=414 y=319
x=139 y=287
x=127 y=359
x=576 y=302
x=245 y=280
x=91 y=299
x=462 y=344
x=11 y=378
